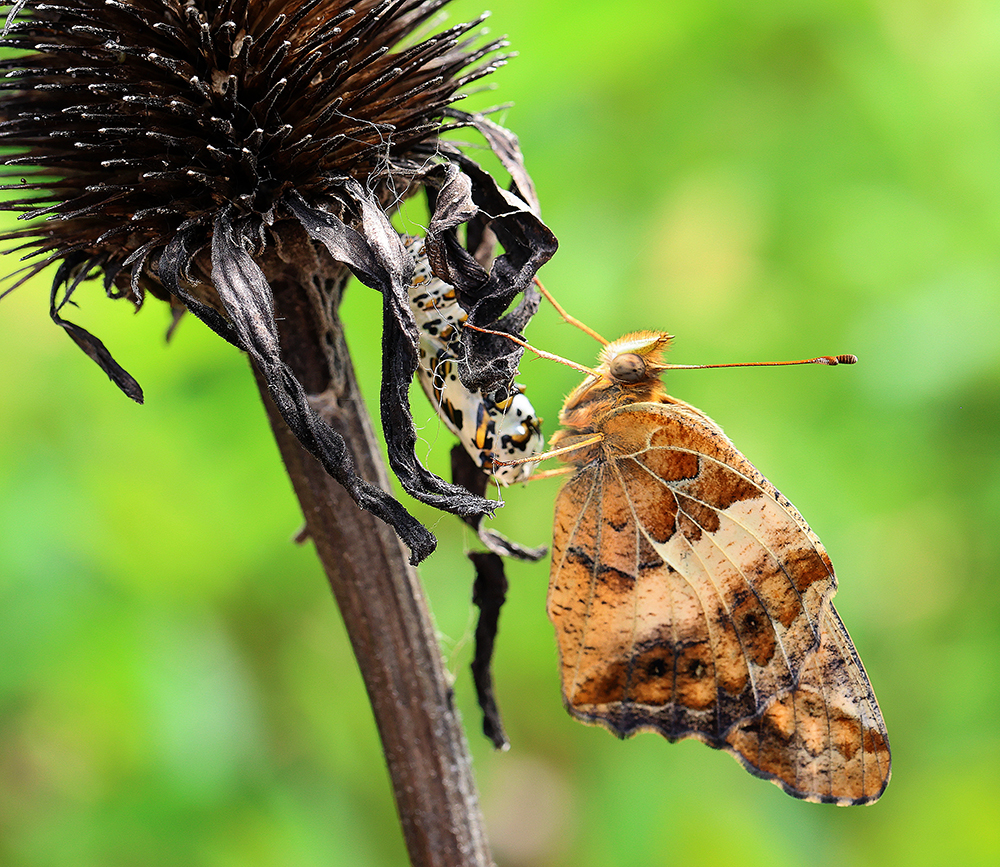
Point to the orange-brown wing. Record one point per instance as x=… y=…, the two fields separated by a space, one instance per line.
x=686 y=592
x=824 y=741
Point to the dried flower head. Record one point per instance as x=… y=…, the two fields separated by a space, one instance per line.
x=181 y=148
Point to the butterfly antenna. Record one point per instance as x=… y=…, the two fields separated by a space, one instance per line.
x=572 y=320
x=822 y=359
x=541 y=353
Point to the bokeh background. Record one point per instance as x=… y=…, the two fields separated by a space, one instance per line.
x=766 y=181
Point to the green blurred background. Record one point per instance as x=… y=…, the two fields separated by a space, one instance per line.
x=765 y=181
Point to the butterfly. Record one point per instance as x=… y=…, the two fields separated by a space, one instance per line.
x=690 y=598
x=499 y=426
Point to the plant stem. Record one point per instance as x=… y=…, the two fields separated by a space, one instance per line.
x=378 y=592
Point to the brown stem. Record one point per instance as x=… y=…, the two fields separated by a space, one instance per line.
x=378 y=592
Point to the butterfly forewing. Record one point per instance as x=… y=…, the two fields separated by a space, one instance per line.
x=825 y=740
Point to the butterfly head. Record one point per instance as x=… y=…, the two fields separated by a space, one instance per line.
x=628 y=371
x=635 y=359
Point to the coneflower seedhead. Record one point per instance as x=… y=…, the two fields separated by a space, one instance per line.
x=180 y=148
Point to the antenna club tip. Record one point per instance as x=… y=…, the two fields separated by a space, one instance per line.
x=847 y=359
x=836 y=359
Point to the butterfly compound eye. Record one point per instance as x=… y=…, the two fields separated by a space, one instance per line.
x=628 y=367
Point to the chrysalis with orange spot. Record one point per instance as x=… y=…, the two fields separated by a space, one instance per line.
x=501 y=425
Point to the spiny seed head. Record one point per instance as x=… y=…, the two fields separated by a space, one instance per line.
x=143 y=115
x=185 y=147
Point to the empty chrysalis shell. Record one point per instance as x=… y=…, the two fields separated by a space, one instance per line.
x=501 y=425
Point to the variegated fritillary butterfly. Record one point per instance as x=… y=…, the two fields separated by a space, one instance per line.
x=690 y=598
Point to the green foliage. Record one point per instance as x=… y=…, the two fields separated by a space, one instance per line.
x=766 y=181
